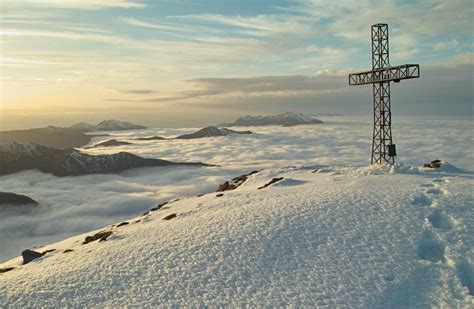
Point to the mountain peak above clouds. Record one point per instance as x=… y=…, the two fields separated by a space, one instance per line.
x=286 y=119
x=106 y=125
x=211 y=131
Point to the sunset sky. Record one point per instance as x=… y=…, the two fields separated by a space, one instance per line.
x=188 y=63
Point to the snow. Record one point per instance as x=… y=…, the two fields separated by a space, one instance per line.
x=324 y=236
x=16 y=148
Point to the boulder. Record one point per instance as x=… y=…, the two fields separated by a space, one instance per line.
x=29 y=255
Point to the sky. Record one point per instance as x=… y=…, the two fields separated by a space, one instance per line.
x=177 y=63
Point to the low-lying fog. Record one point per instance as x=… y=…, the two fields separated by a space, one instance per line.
x=73 y=205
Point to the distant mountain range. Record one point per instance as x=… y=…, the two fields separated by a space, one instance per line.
x=106 y=125
x=68 y=137
x=19 y=156
x=211 y=131
x=286 y=120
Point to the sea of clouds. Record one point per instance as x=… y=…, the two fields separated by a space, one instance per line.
x=73 y=205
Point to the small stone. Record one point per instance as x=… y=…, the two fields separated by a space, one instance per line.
x=122 y=224
x=169 y=217
x=219 y=195
x=4 y=270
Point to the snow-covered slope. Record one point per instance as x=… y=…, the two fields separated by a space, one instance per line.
x=106 y=125
x=322 y=236
x=18 y=156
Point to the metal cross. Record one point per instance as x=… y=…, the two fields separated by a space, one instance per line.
x=383 y=149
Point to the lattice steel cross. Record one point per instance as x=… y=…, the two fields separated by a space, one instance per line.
x=383 y=149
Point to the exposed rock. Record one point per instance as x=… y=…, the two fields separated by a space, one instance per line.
x=6 y=269
x=235 y=183
x=274 y=180
x=48 y=251
x=16 y=157
x=122 y=224
x=220 y=195
x=211 y=131
x=433 y=164
x=9 y=198
x=68 y=250
x=286 y=120
x=158 y=206
x=101 y=236
x=29 y=255
x=169 y=217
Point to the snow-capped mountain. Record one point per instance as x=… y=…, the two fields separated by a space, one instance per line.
x=211 y=131
x=308 y=236
x=106 y=125
x=18 y=156
x=286 y=119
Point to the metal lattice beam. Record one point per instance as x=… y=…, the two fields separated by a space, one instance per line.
x=395 y=74
x=383 y=149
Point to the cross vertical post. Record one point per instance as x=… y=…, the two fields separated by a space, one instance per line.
x=383 y=149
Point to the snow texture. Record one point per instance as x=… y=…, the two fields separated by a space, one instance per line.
x=326 y=236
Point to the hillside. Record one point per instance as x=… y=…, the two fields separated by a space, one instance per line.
x=319 y=235
x=16 y=157
x=50 y=136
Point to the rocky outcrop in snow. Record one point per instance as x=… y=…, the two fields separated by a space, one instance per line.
x=16 y=157
x=286 y=120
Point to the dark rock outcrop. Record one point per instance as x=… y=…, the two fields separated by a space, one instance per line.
x=286 y=120
x=433 y=164
x=9 y=198
x=6 y=269
x=274 y=180
x=29 y=255
x=211 y=131
x=169 y=217
x=235 y=182
x=159 y=206
x=101 y=236
x=16 y=157
x=122 y=224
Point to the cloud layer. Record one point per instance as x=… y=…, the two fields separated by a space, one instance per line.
x=72 y=205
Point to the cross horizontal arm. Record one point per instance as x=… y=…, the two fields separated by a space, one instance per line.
x=397 y=73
